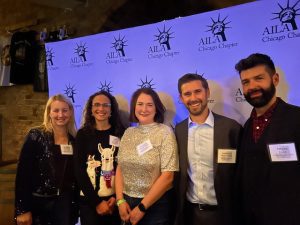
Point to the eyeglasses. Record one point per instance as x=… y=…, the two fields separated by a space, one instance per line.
x=104 y=105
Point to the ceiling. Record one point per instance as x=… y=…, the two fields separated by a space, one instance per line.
x=85 y=17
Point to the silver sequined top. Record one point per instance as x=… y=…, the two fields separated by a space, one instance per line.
x=141 y=171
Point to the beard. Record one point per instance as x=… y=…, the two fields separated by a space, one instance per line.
x=264 y=99
x=197 y=111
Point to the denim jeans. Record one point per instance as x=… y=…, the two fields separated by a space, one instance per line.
x=157 y=214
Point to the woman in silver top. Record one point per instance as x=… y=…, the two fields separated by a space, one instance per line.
x=146 y=163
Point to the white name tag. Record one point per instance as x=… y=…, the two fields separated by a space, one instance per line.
x=66 y=149
x=144 y=147
x=113 y=140
x=283 y=152
x=226 y=156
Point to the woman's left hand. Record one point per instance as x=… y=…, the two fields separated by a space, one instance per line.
x=136 y=215
x=111 y=204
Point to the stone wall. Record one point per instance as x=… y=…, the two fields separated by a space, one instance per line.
x=21 y=108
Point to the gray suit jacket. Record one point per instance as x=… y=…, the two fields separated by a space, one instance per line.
x=226 y=135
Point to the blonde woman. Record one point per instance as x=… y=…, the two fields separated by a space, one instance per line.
x=45 y=184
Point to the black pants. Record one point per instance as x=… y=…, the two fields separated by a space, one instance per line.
x=194 y=216
x=55 y=210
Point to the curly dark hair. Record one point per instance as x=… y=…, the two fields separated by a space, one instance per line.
x=160 y=108
x=114 y=120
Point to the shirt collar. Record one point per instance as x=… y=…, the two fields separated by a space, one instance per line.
x=267 y=114
x=209 y=121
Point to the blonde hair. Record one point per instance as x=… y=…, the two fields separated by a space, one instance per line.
x=71 y=126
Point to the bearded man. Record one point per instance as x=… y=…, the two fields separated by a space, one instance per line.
x=268 y=174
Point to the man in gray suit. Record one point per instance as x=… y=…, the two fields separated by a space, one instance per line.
x=207 y=144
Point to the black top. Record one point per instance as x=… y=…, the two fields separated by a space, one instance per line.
x=63 y=173
x=40 y=170
x=86 y=144
x=23 y=54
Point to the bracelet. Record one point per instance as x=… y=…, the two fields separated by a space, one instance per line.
x=120 y=201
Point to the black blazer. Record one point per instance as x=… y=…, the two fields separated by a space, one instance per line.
x=269 y=192
x=226 y=135
x=37 y=169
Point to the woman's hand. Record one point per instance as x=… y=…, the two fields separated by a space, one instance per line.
x=111 y=204
x=124 y=211
x=103 y=208
x=136 y=215
x=24 y=219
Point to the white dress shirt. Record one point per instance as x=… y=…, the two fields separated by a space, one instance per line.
x=200 y=162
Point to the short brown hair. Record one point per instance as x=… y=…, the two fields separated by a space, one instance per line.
x=191 y=77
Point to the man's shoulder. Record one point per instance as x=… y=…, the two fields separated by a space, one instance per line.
x=288 y=106
x=225 y=119
x=182 y=123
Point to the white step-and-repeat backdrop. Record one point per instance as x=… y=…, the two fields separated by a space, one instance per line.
x=156 y=55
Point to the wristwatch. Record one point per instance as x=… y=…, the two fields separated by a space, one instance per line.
x=142 y=208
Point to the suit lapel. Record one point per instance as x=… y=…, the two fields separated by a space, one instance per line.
x=184 y=145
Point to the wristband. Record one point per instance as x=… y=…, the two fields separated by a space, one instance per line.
x=120 y=201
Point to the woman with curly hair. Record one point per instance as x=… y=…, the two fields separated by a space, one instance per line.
x=96 y=149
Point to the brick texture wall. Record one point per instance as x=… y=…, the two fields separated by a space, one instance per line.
x=21 y=108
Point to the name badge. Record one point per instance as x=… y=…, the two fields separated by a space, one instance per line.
x=113 y=140
x=66 y=149
x=226 y=156
x=144 y=147
x=283 y=152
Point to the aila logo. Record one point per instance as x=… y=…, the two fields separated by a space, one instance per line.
x=239 y=96
x=288 y=14
x=119 y=54
x=81 y=51
x=286 y=26
x=119 y=45
x=105 y=87
x=164 y=37
x=70 y=92
x=162 y=47
x=49 y=59
x=146 y=83
x=218 y=28
x=80 y=59
x=218 y=38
